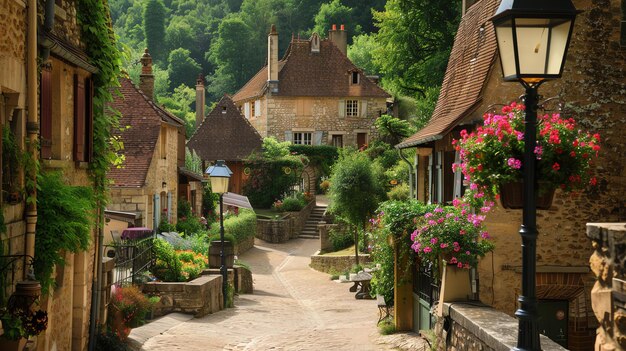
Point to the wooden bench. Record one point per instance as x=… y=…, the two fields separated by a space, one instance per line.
x=384 y=310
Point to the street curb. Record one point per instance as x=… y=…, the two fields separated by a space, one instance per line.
x=139 y=336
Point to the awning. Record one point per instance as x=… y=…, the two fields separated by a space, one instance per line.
x=190 y=175
x=232 y=199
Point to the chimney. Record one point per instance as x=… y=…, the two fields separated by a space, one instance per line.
x=339 y=38
x=199 y=100
x=146 y=78
x=272 y=60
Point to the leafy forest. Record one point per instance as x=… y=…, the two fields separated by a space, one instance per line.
x=405 y=42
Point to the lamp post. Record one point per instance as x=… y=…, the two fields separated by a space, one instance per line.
x=220 y=176
x=533 y=37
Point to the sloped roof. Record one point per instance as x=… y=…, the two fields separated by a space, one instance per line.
x=144 y=119
x=470 y=62
x=303 y=73
x=225 y=134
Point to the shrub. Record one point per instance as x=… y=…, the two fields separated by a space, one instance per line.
x=340 y=238
x=386 y=327
x=166 y=227
x=293 y=204
x=324 y=186
x=189 y=226
x=270 y=178
x=399 y=193
x=238 y=227
x=132 y=304
x=167 y=266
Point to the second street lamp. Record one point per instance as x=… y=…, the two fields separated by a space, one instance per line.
x=533 y=37
x=219 y=175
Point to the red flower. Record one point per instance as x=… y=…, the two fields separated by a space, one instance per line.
x=556 y=166
x=593 y=181
x=573 y=154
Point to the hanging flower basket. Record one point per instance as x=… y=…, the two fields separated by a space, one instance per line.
x=512 y=195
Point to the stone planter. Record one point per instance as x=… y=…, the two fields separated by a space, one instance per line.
x=215 y=261
x=455 y=286
x=512 y=195
x=199 y=297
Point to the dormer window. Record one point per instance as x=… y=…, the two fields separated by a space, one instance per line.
x=354 y=77
x=315 y=43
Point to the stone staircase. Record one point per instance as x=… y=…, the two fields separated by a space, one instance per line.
x=310 y=227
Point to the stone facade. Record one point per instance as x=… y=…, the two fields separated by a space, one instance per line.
x=336 y=264
x=281 y=115
x=593 y=73
x=285 y=228
x=608 y=296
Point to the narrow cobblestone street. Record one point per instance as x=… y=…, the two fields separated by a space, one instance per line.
x=293 y=308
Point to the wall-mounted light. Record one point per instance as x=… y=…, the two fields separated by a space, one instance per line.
x=164 y=185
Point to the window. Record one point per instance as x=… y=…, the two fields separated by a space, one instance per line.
x=83 y=119
x=253 y=109
x=256 y=111
x=354 y=78
x=352 y=108
x=302 y=138
x=337 y=140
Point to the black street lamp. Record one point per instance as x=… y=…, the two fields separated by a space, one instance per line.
x=220 y=175
x=533 y=37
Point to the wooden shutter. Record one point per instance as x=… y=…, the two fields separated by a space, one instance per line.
x=79 y=118
x=89 y=92
x=46 y=113
x=288 y=135
x=318 y=138
x=364 y=108
x=257 y=108
x=342 y=108
x=246 y=109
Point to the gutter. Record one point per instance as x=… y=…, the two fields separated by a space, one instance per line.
x=419 y=142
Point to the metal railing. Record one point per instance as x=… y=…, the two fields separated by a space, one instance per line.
x=133 y=258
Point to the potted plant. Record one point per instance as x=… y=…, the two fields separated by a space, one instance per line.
x=128 y=309
x=19 y=325
x=492 y=156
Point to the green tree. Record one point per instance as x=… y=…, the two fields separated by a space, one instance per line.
x=415 y=38
x=354 y=191
x=361 y=53
x=180 y=103
x=182 y=68
x=154 y=28
x=335 y=12
x=392 y=129
x=233 y=55
x=179 y=34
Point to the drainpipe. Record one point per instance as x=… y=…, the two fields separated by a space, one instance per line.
x=411 y=183
x=48 y=24
x=96 y=285
x=32 y=129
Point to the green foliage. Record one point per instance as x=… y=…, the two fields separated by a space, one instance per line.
x=209 y=200
x=18 y=323
x=392 y=129
x=293 y=204
x=166 y=227
x=179 y=103
x=334 y=12
x=270 y=178
x=132 y=304
x=322 y=157
x=340 y=238
x=182 y=69
x=274 y=149
x=154 y=15
x=399 y=193
x=11 y=162
x=189 y=225
x=239 y=227
x=193 y=162
x=361 y=53
x=395 y=222
x=64 y=219
x=107 y=340
x=386 y=327
x=177 y=266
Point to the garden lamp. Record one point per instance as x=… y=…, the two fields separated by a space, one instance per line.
x=220 y=175
x=533 y=37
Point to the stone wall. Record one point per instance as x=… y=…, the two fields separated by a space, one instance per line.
x=199 y=297
x=244 y=245
x=608 y=297
x=285 y=228
x=472 y=326
x=336 y=264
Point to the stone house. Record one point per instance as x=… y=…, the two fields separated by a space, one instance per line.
x=46 y=92
x=473 y=85
x=148 y=183
x=314 y=95
x=225 y=134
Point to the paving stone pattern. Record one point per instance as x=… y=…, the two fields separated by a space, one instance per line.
x=293 y=308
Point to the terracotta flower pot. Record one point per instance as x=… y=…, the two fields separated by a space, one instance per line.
x=512 y=195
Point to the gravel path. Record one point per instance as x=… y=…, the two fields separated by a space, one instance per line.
x=293 y=308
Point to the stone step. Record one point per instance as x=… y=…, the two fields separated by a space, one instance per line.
x=305 y=236
x=308 y=231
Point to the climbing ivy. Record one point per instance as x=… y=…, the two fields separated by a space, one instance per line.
x=97 y=35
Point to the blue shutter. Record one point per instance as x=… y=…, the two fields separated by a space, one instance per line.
x=169 y=207
x=288 y=136
x=157 y=211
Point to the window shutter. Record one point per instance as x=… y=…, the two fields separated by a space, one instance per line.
x=458 y=176
x=169 y=207
x=364 y=108
x=257 y=108
x=79 y=118
x=46 y=114
x=246 y=108
x=288 y=135
x=157 y=211
x=430 y=179
x=342 y=108
x=440 y=177
x=318 y=138
x=89 y=119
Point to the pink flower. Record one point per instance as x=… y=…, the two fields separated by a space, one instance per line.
x=433 y=241
x=453 y=260
x=556 y=166
x=460 y=265
x=514 y=163
x=443 y=245
x=539 y=151
x=427 y=249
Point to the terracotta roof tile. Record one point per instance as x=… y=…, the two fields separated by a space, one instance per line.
x=225 y=136
x=303 y=73
x=144 y=118
x=470 y=62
